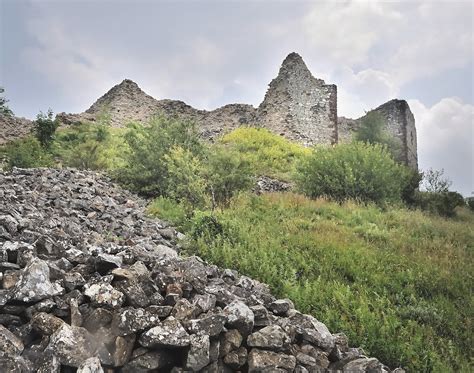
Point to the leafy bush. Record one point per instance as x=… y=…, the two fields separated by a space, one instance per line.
x=184 y=179
x=227 y=172
x=470 y=203
x=145 y=169
x=441 y=203
x=45 y=127
x=26 y=153
x=373 y=131
x=267 y=153
x=352 y=171
x=435 y=182
x=82 y=146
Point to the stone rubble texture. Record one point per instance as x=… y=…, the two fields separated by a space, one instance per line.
x=197 y=317
x=296 y=105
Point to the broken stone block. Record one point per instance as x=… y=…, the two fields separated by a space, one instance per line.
x=169 y=334
x=268 y=361
x=132 y=320
x=72 y=345
x=10 y=344
x=229 y=341
x=281 y=307
x=91 y=365
x=240 y=317
x=34 y=284
x=210 y=325
x=103 y=294
x=198 y=353
x=236 y=359
x=271 y=337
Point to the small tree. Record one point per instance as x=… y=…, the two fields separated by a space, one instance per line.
x=184 y=182
x=45 y=127
x=4 y=109
x=145 y=171
x=435 y=182
x=227 y=173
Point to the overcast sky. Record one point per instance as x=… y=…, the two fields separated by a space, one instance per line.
x=65 y=54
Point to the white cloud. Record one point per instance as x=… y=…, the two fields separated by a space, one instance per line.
x=445 y=140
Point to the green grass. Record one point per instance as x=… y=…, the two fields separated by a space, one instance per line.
x=397 y=282
x=268 y=154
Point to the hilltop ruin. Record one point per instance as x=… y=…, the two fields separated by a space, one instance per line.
x=297 y=105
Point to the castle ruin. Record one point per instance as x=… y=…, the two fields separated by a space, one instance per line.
x=297 y=106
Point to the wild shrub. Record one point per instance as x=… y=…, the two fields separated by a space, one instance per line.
x=26 y=153
x=145 y=170
x=358 y=171
x=4 y=109
x=441 y=203
x=268 y=154
x=45 y=127
x=227 y=173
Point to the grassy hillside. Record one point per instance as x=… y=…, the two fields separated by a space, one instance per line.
x=397 y=282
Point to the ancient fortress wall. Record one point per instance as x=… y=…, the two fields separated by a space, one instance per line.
x=297 y=105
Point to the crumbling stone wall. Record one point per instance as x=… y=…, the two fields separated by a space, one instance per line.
x=12 y=128
x=299 y=106
x=399 y=122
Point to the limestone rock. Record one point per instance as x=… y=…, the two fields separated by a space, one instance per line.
x=240 y=316
x=34 y=284
x=271 y=337
x=268 y=361
x=91 y=365
x=169 y=334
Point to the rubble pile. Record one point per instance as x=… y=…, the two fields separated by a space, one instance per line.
x=89 y=284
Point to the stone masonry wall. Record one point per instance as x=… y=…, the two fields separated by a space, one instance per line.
x=400 y=123
x=299 y=106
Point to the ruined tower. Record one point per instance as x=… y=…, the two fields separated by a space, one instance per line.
x=299 y=106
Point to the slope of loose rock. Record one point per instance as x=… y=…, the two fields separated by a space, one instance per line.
x=89 y=282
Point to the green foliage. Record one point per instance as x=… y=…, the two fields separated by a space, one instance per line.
x=184 y=180
x=396 y=281
x=227 y=172
x=82 y=146
x=409 y=191
x=267 y=153
x=441 y=203
x=169 y=210
x=4 y=109
x=45 y=127
x=372 y=130
x=26 y=153
x=352 y=171
x=470 y=203
x=145 y=170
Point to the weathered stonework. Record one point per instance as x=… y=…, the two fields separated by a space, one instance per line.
x=296 y=105
x=400 y=123
x=299 y=106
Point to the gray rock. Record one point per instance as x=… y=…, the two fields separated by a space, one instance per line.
x=281 y=307
x=271 y=337
x=236 y=359
x=169 y=334
x=104 y=294
x=10 y=344
x=91 y=365
x=229 y=341
x=132 y=320
x=268 y=361
x=210 y=325
x=72 y=345
x=239 y=316
x=198 y=353
x=34 y=283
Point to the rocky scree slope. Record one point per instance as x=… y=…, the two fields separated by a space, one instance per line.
x=89 y=284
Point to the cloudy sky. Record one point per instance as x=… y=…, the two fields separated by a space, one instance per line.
x=65 y=54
